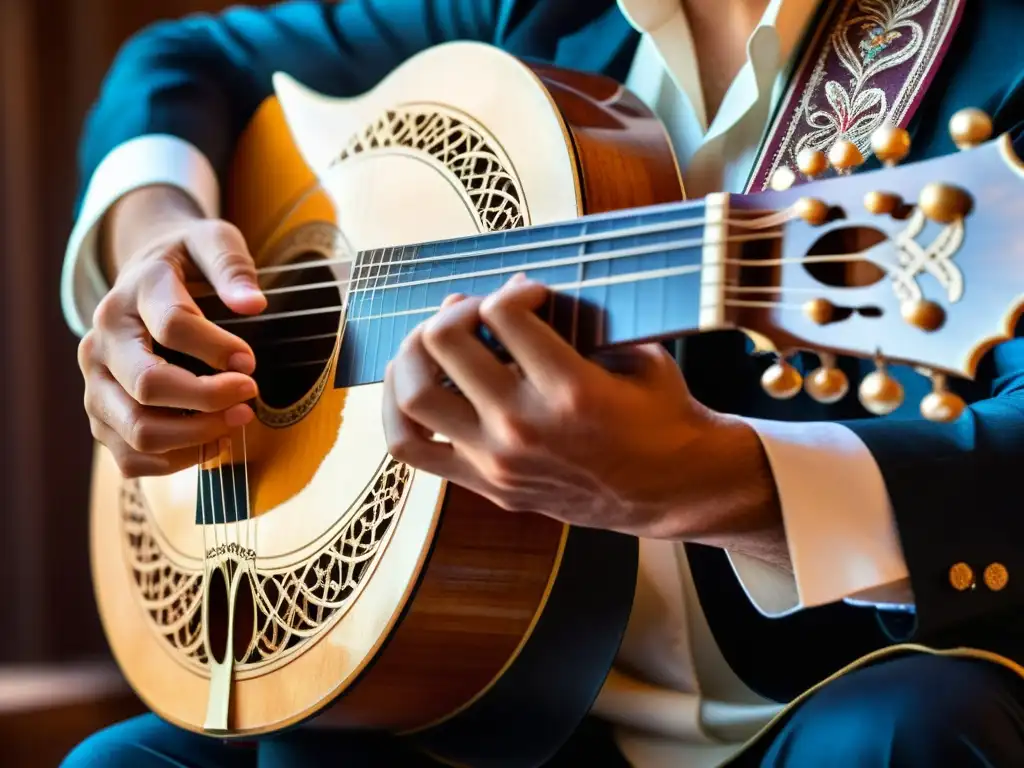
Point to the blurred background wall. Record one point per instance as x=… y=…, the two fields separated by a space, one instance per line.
x=53 y=55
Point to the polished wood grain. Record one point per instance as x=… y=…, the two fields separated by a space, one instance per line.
x=460 y=631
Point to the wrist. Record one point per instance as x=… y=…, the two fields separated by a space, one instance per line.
x=140 y=218
x=736 y=507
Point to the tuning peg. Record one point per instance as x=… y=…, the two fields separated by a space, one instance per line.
x=819 y=311
x=881 y=203
x=923 y=314
x=844 y=156
x=943 y=203
x=781 y=380
x=969 y=128
x=811 y=162
x=890 y=144
x=827 y=384
x=782 y=179
x=941 y=405
x=879 y=392
x=812 y=210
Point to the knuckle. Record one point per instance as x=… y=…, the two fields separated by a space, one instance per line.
x=403 y=449
x=87 y=349
x=493 y=311
x=130 y=464
x=171 y=325
x=144 y=386
x=439 y=333
x=108 y=311
x=142 y=436
x=413 y=400
x=571 y=400
x=513 y=434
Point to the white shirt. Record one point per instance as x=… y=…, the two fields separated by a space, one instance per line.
x=674 y=699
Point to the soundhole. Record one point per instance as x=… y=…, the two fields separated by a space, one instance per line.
x=852 y=272
x=219 y=610
x=295 y=345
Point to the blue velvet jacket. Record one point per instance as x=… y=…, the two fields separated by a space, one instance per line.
x=956 y=492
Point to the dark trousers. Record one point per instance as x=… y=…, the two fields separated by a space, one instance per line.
x=914 y=711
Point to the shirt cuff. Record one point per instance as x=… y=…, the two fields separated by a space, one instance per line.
x=840 y=528
x=140 y=162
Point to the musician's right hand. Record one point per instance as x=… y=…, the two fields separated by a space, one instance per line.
x=151 y=414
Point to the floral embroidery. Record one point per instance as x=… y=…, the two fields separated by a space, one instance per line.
x=877 y=41
x=866 y=65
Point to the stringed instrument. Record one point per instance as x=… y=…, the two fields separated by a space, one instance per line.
x=300 y=574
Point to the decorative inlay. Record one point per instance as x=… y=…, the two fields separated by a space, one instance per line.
x=294 y=604
x=459 y=146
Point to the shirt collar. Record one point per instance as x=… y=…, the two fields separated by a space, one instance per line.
x=769 y=48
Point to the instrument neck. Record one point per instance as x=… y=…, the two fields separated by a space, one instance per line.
x=616 y=278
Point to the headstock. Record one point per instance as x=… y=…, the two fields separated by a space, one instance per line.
x=920 y=264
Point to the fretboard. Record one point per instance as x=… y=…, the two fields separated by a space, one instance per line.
x=615 y=278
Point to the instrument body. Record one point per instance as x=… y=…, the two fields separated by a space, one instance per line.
x=453 y=589
x=387 y=599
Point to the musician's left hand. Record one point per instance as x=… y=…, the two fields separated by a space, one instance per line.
x=622 y=447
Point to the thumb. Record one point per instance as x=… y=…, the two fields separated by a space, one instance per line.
x=219 y=250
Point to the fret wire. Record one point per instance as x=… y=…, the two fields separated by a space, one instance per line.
x=727 y=302
x=380 y=331
x=625 y=278
x=593 y=257
x=843 y=257
x=645 y=229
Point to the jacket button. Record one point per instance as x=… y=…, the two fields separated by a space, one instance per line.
x=961 y=577
x=996 y=576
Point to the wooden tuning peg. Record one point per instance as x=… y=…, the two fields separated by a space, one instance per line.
x=879 y=392
x=943 y=203
x=941 y=405
x=781 y=380
x=812 y=210
x=827 y=384
x=811 y=162
x=844 y=156
x=923 y=314
x=881 y=203
x=969 y=128
x=890 y=144
x=819 y=311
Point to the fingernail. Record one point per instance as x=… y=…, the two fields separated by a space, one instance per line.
x=242 y=362
x=238 y=415
x=244 y=291
x=518 y=277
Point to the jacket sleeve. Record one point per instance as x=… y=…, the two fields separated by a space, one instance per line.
x=200 y=78
x=956 y=488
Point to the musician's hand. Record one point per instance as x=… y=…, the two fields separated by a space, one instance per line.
x=628 y=450
x=134 y=398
